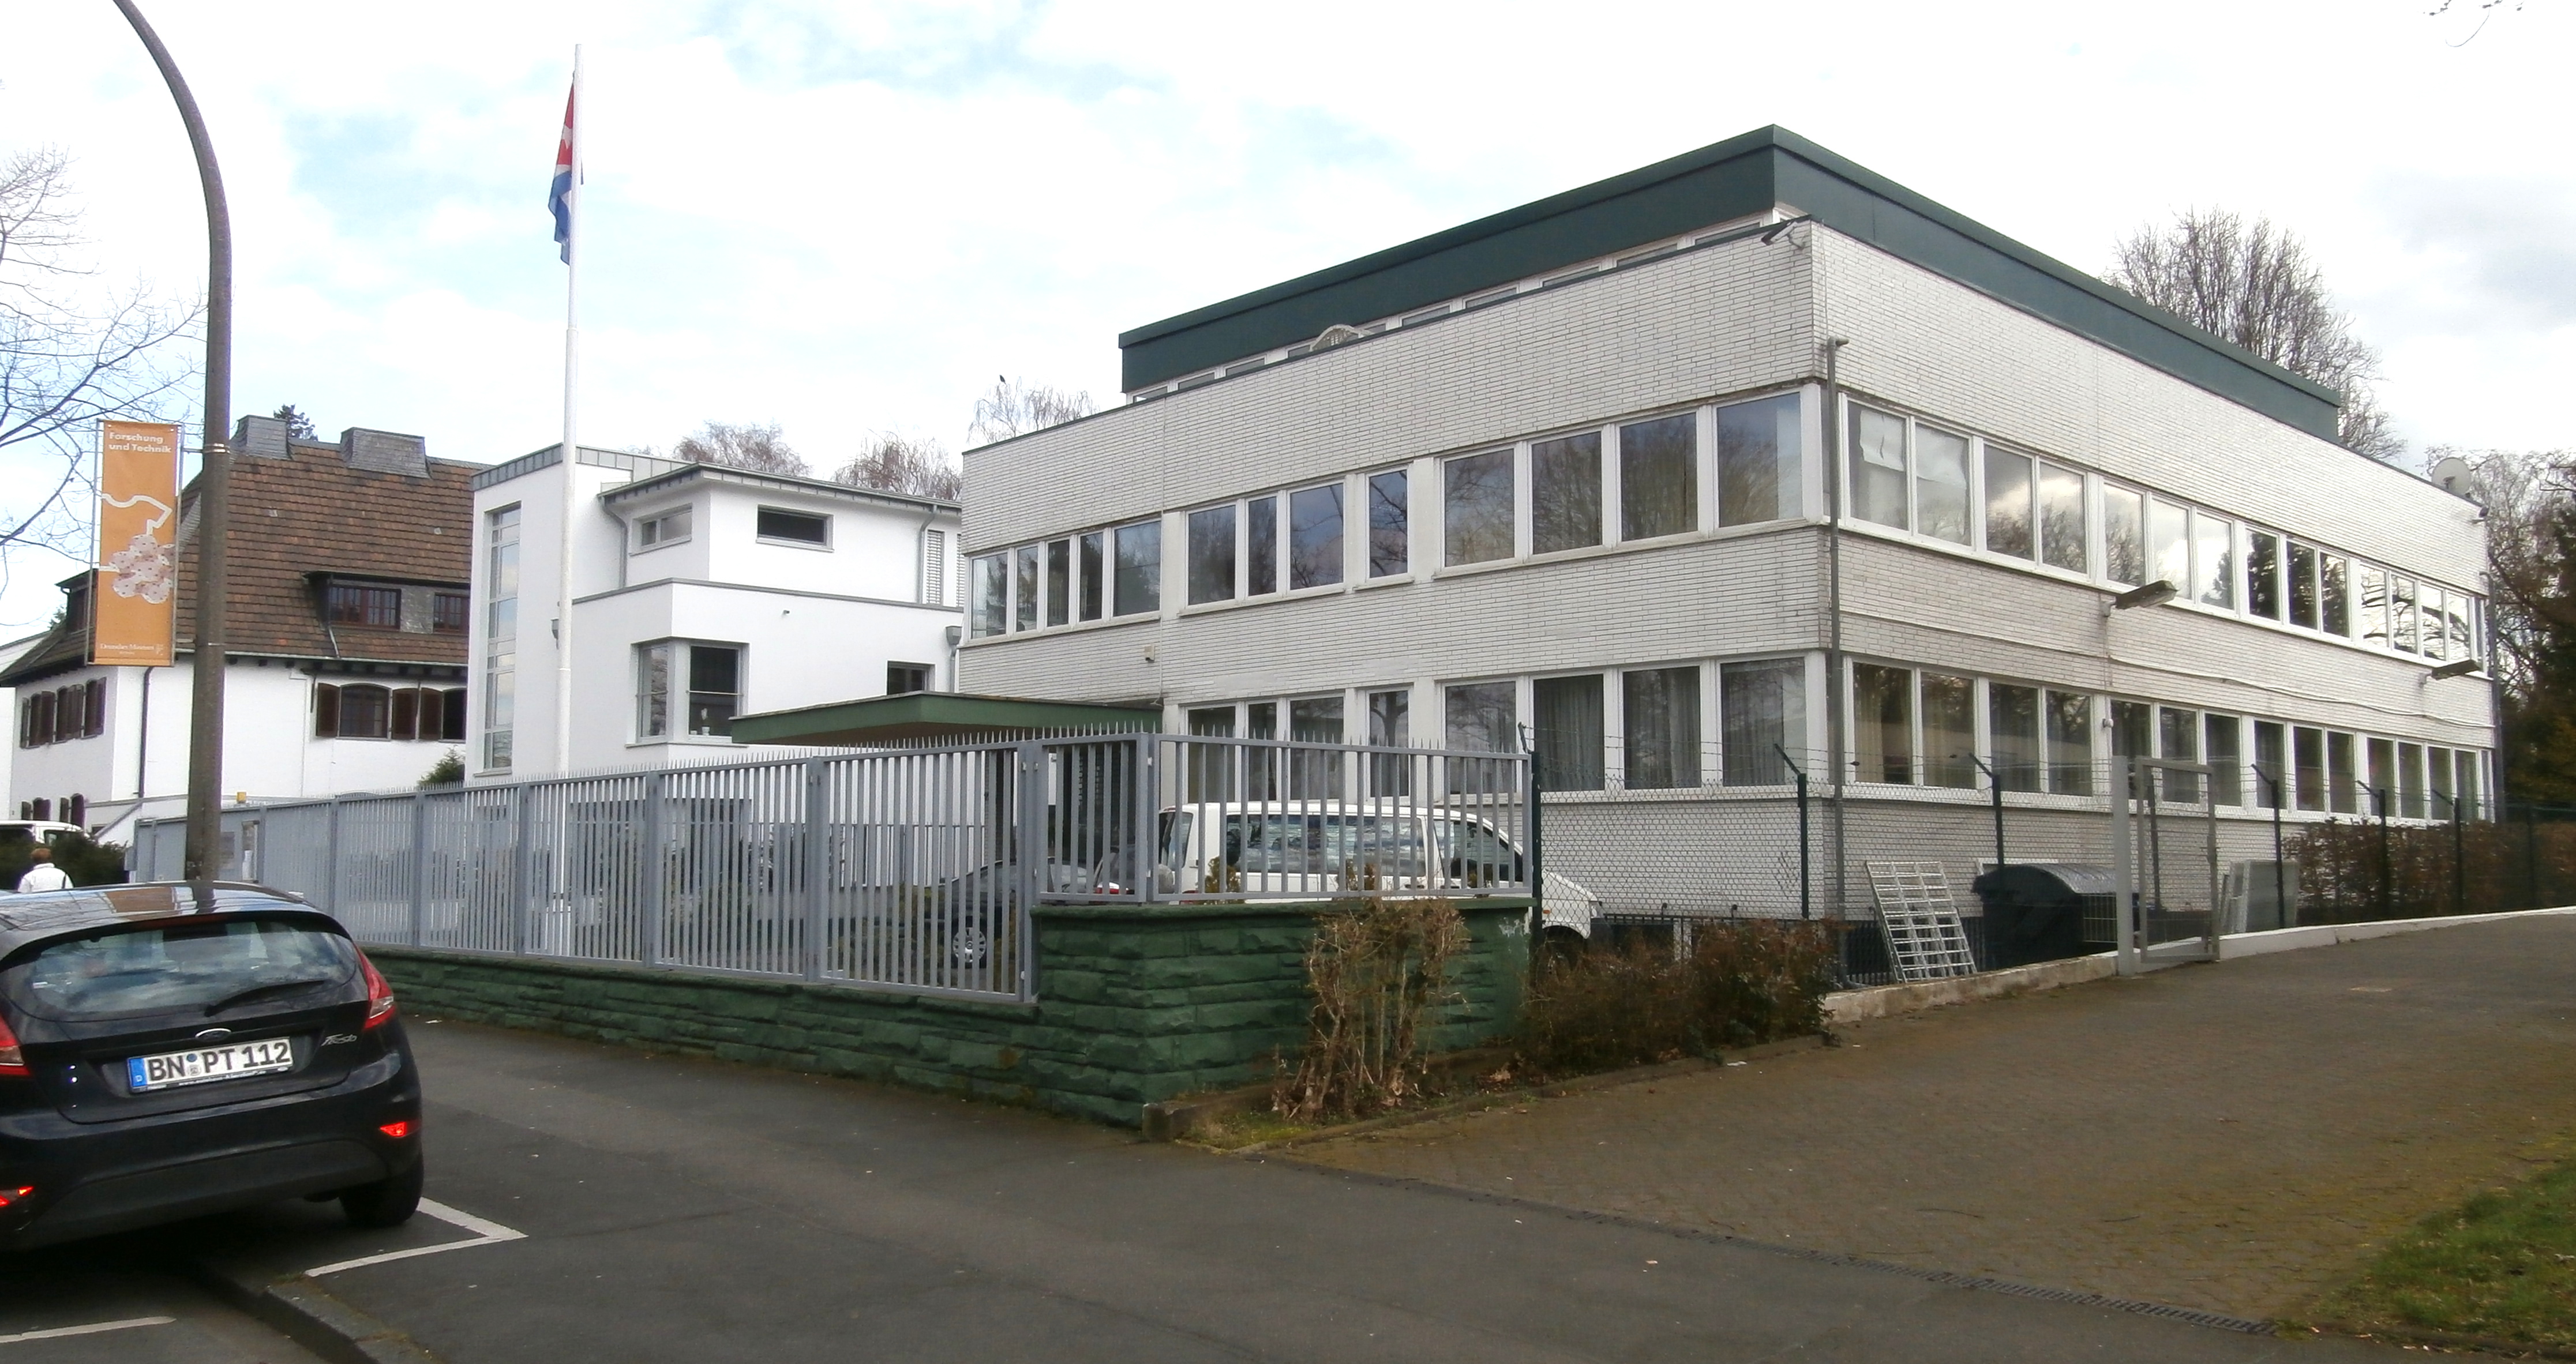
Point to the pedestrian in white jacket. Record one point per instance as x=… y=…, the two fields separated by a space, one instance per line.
x=44 y=875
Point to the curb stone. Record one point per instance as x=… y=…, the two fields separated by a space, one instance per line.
x=308 y=1314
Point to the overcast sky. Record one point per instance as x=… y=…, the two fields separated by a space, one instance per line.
x=845 y=217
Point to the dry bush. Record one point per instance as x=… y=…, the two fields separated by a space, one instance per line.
x=2343 y=878
x=1377 y=969
x=1730 y=983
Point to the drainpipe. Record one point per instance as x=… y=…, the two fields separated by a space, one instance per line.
x=1834 y=689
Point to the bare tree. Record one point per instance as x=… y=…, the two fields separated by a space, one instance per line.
x=1015 y=407
x=2253 y=284
x=2530 y=502
x=744 y=446
x=71 y=354
x=902 y=464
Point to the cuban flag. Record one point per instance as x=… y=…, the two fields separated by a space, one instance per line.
x=559 y=198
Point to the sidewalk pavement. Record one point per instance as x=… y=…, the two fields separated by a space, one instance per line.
x=2236 y=1138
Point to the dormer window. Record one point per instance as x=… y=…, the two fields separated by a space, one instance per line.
x=662 y=528
x=795 y=527
x=378 y=608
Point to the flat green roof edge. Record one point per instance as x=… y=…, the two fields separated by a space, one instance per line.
x=944 y=709
x=1730 y=179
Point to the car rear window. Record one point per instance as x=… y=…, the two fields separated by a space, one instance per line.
x=126 y=971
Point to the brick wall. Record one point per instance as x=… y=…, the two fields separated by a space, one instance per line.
x=1135 y=1005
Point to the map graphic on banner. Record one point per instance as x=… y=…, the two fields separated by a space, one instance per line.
x=132 y=610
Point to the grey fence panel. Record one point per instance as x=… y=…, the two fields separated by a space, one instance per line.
x=376 y=866
x=468 y=869
x=920 y=887
x=734 y=867
x=585 y=864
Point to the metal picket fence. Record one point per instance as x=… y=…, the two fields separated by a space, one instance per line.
x=910 y=870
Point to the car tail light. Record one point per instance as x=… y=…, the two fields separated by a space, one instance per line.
x=19 y=1194
x=380 y=996
x=12 y=1060
x=396 y=1130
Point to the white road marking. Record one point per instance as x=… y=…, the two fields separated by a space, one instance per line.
x=90 y=1330
x=485 y=1234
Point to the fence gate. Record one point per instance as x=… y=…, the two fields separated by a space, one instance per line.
x=2164 y=856
x=1925 y=940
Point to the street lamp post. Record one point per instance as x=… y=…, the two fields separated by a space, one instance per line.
x=206 y=708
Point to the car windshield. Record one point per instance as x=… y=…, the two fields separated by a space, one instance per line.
x=158 y=969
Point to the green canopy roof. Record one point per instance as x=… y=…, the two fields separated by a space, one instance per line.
x=939 y=715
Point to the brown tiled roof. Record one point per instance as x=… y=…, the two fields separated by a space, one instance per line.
x=311 y=513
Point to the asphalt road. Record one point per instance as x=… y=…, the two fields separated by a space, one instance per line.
x=121 y=1301
x=675 y=1209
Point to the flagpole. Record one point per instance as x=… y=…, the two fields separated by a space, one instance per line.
x=571 y=450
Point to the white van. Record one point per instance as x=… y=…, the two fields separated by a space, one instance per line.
x=1303 y=849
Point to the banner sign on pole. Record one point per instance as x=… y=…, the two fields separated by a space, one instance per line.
x=134 y=606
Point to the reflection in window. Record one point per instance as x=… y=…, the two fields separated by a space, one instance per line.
x=2179 y=740
x=1659 y=477
x=2213 y=561
x=2271 y=774
x=1569 y=732
x=2009 y=528
x=992 y=595
x=2303 y=585
x=1877 y=479
x=1315 y=720
x=2169 y=544
x=1212 y=555
x=1481 y=718
x=1763 y=707
x=1390 y=726
x=1059 y=589
x=1759 y=451
x=2124 y=537
x=2061 y=518
x=1660 y=714
x=2374 y=605
x=1883 y=723
x=1139 y=585
x=2401 y=614
x=1390 y=516
x=1094 y=572
x=1949 y=730
x=2432 y=616
x=2343 y=795
x=1565 y=493
x=1476 y=508
x=2263 y=574
x=2225 y=736
x=1941 y=484
x=1261 y=547
x=2012 y=717
x=2410 y=781
x=1315 y=536
x=1024 y=588
x=2308 y=768
x=2070 y=743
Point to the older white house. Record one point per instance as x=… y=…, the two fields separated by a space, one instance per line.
x=1747 y=466
x=699 y=592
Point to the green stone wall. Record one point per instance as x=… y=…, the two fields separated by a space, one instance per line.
x=1135 y=1004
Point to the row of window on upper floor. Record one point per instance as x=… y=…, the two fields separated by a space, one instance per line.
x=774 y=525
x=1718 y=466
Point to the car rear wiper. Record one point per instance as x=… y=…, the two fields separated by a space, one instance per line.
x=241 y=996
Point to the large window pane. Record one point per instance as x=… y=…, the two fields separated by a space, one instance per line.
x=1941 y=484
x=2381 y=793
x=2124 y=537
x=2343 y=783
x=2213 y=561
x=1024 y=588
x=1883 y=723
x=2263 y=574
x=2133 y=735
x=2308 y=768
x=2374 y=605
x=1476 y=508
x=1059 y=588
x=1569 y=732
x=1094 y=572
x=1565 y=493
x=1481 y=718
x=1759 y=452
x=992 y=595
x=1139 y=585
x=1877 y=478
x=1390 y=516
x=1763 y=709
x=2012 y=718
x=2009 y=524
x=1390 y=726
x=2224 y=747
x=2070 y=743
x=2061 y=518
x=1949 y=730
x=1209 y=771
x=653 y=691
x=2432 y=614
x=2169 y=544
x=1261 y=547
x=1661 y=717
x=2410 y=781
x=1315 y=536
x=2332 y=575
x=2469 y=788
x=2303 y=585
x=1315 y=775
x=1659 y=477
x=2179 y=739
x=2271 y=774
x=2437 y=774
x=2401 y=614
x=1212 y=555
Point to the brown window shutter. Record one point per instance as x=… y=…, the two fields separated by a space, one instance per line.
x=326 y=711
x=66 y=713
x=406 y=712
x=97 y=712
x=432 y=722
x=451 y=717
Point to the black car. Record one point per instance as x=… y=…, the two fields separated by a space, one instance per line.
x=168 y=1051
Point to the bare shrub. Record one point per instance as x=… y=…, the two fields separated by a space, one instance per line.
x=1729 y=983
x=1377 y=969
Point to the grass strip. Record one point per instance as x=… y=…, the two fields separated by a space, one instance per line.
x=2502 y=1266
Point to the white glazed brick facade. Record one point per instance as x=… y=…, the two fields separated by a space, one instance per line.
x=1736 y=320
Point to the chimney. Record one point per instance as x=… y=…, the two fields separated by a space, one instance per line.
x=260 y=437
x=384 y=452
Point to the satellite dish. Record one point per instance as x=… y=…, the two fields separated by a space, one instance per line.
x=2452 y=475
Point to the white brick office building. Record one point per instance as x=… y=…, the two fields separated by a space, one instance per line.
x=1574 y=467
